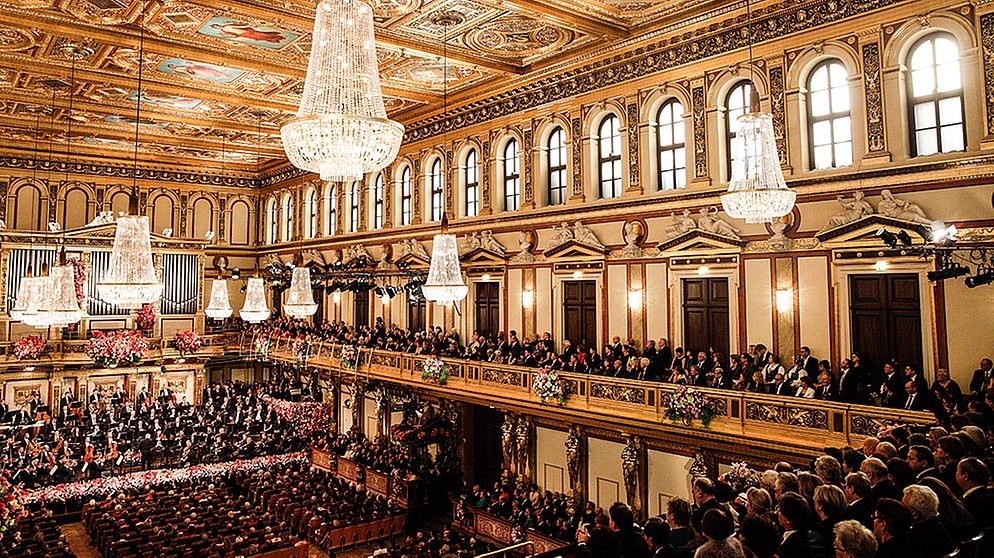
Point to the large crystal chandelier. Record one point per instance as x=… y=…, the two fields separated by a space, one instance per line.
x=255 y=309
x=300 y=300
x=130 y=280
x=341 y=130
x=757 y=191
x=42 y=288
x=444 y=283
x=60 y=307
x=28 y=299
x=219 y=308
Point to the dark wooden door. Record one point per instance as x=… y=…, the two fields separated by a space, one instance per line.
x=416 y=314
x=705 y=314
x=319 y=297
x=488 y=309
x=486 y=457
x=361 y=314
x=580 y=312
x=886 y=319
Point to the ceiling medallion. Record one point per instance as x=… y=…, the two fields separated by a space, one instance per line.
x=72 y=50
x=516 y=36
x=13 y=39
x=394 y=8
x=448 y=18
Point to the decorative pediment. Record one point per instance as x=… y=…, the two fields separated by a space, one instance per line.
x=413 y=260
x=482 y=256
x=865 y=229
x=93 y=236
x=573 y=249
x=698 y=240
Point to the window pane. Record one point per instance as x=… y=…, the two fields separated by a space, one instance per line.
x=924 y=116
x=837 y=73
x=822 y=132
x=922 y=82
x=666 y=135
x=820 y=103
x=678 y=132
x=823 y=157
x=840 y=99
x=842 y=128
x=925 y=141
x=819 y=79
x=665 y=160
x=922 y=56
x=950 y=112
x=945 y=51
x=843 y=154
x=948 y=77
x=952 y=138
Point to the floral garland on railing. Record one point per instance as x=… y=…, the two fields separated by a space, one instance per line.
x=261 y=345
x=78 y=278
x=740 y=477
x=115 y=348
x=30 y=347
x=98 y=488
x=438 y=431
x=688 y=404
x=434 y=370
x=308 y=417
x=146 y=316
x=547 y=384
x=301 y=349
x=349 y=357
x=11 y=505
x=187 y=342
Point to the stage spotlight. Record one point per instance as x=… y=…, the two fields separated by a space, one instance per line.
x=904 y=237
x=236 y=274
x=242 y=290
x=889 y=238
x=985 y=278
x=947 y=273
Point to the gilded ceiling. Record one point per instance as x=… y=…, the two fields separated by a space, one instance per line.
x=218 y=79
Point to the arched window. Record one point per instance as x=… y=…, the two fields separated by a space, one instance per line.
x=201 y=218
x=354 y=207
x=28 y=213
x=935 y=96
x=609 y=157
x=472 y=184
x=378 y=202
x=557 y=166
x=512 y=177
x=287 y=217
x=405 y=196
x=436 y=190
x=239 y=229
x=332 y=211
x=736 y=104
x=829 y=121
x=162 y=213
x=272 y=222
x=671 y=146
x=312 y=213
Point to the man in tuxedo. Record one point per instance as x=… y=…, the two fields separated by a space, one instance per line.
x=914 y=400
x=4 y=408
x=514 y=346
x=912 y=375
x=779 y=386
x=982 y=376
x=973 y=476
x=808 y=362
x=859 y=495
x=890 y=383
x=848 y=390
x=922 y=462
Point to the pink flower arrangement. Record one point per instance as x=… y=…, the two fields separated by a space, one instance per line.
x=30 y=347
x=113 y=348
x=11 y=505
x=434 y=370
x=548 y=385
x=308 y=416
x=261 y=345
x=348 y=357
x=689 y=404
x=740 y=477
x=301 y=349
x=146 y=316
x=78 y=278
x=186 y=342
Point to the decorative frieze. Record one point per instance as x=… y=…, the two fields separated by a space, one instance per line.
x=987 y=46
x=700 y=132
x=778 y=112
x=78 y=168
x=875 y=139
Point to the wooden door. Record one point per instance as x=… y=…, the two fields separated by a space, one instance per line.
x=885 y=313
x=705 y=314
x=488 y=309
x=580 y=312
x=361 y=309
x=416 y=315
x=485 y=456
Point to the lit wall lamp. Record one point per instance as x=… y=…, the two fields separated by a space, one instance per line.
x=703 y=270
x=635 y=299
x=527 y=298
x=881 y=265
x=486 y=277
x=785 y=299
x=336 y=297
x=577 y=274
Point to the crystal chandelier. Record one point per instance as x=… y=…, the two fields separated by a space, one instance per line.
x=255 y=310
x=130 y=279
x=300 y=301
x=341 y=129
x=757 y=191
x=219 y=308
x=42 y=287
x=28 y=299
x=444 y=283
x=60 y=307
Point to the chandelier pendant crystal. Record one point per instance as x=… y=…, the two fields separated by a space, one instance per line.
x=255 y=309
x=26 y=304
x=60 y=306
x=341 y=130
x=444 y=284
x=300 y=300
x=130 y=280
x=219 y=307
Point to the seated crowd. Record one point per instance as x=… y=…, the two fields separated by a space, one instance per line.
x=757 y=370
x=242 y=515
x=431 y=544
x=37 y=536
x=389 y=459
x=115 y=433
x=547 y=512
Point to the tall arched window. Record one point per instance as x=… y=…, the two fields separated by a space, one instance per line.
x=378 y=202
x=436 y=190
x=472 y=184
x=736 y=104
x=272 y=222
x=512 y=176
x=557 y=166
x=312 y=213
x=405 y=196
x=287 y=217
x=829 y=120
x=935 y=96
x=332 y=210
x=671 y=147
x=354 y=207
x=609 y=157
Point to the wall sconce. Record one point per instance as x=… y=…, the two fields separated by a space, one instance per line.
x=385 y=298
x=785 y=299
x=486 y=277
x=703 y=270
x=527 y=298
x=635 y=299
x=881 y=265
x=577 y=274
x=336 y=297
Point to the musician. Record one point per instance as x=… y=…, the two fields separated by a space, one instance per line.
x=165 y=394
x=94 y=398
x=143 y=397
x=4 y=408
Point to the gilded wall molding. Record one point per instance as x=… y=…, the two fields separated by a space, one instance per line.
x=987 y=46
x=779 y=112
x=634 y=179
x=575 y=134
x=94 y=169
x=875 y=134
x=700 y=132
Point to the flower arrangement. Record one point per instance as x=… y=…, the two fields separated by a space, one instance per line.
x=30 y=347
x=11 y=506
x=114 y=348
x=404 y=434
x=433 y=432
x=261 y=345
x=78 y=278
x=146 y=316
x=308 y=417
x=740 y=477
x=348 y=357
x=187 y=342
x=434 y=370
x=548 y=385
x=301 y=349
x=689 y=404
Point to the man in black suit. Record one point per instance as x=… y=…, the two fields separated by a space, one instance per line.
x=808 y=362
x=982 y=376
x=922 y=462
x=704 y=500
x=759 y=361
x=972 y=475
x=928 y=536
x=859 y=494
x=883 y=487
x=780 y=387
x=892 y=525
x=914 y=400
x=631 y=542
x=795 y=518
x=848 y=390
x=912 y=375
